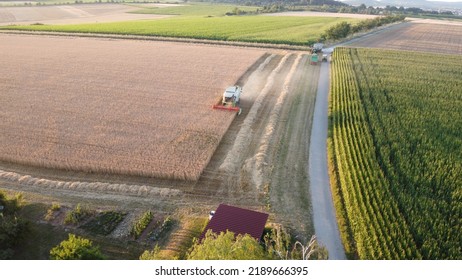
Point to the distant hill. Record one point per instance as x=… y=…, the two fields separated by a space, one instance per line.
x=423 y=4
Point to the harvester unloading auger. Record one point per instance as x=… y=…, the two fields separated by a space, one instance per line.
x=231 y=98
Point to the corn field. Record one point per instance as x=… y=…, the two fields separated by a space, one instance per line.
x=395 y=148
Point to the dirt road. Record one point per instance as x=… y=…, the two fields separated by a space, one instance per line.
x=325 y=222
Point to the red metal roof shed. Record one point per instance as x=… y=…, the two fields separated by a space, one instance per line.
x=237 y=220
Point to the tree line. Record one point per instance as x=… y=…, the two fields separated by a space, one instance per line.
x=343 y=29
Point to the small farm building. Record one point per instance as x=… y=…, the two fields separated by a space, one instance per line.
x=237 y=220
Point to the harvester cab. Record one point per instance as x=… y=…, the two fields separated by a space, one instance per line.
x=232 y=96
x=230 y=100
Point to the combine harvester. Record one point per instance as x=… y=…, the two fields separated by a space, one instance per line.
x=319 y=53
x=230 y=101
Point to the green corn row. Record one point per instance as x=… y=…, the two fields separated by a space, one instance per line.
x=401 y=195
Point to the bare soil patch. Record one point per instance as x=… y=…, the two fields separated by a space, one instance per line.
x=437 y=37
x=434 y=21
x=71 y=14
x=321 y=14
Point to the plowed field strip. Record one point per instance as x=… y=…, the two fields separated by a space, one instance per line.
x=425 y=37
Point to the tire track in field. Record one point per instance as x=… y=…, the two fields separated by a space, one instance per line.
x=227 y=179
x=217 y=185
x=232 y=161
x=260 y=159
x=288 y=184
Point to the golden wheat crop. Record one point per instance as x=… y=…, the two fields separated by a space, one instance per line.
x=124 y=107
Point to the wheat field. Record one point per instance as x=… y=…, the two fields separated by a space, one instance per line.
x=115 y=106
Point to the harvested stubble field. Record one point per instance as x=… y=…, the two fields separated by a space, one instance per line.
x=124 y=107
x=438 y=36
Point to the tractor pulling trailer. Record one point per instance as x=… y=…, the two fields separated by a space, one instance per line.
x=320 y=53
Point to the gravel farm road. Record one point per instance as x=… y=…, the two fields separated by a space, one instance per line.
x=324 y=219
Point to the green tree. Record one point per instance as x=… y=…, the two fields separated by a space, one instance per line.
x=12 y=227
x=76 y=248
x=154 y=254
x=11 y=205
x=12 y=231
x=338 y=31
x=227 y=246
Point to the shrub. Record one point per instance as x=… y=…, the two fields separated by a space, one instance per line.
x=12 y=232
x=76 y=248
x=338 y=31
x=280 y=244
x=104 y=223
x=161 y=230
x=77 y=215
x=141 y=224
x=154 y=254
x=12 y=227
x=11 y=205
x=227 y=246
x=55 y=206
x=52 y=210
x=343 y=29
